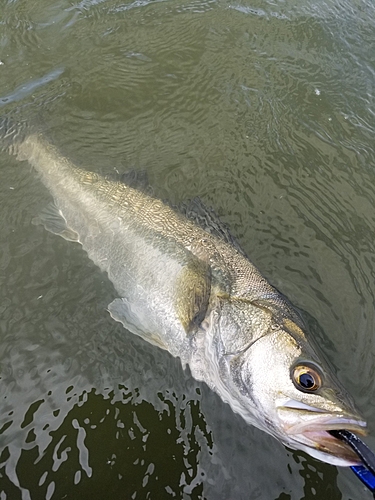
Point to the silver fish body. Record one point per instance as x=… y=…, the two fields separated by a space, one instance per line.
x=195 y=294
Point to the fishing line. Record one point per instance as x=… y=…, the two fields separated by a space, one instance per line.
x=366 y=472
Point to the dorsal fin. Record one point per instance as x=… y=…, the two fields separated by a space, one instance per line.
x=136 y=179
x=195 y=210
x=207 y=219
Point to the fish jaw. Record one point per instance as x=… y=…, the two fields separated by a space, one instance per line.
x=308 y=429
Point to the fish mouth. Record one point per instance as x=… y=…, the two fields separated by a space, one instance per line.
x=307 y=428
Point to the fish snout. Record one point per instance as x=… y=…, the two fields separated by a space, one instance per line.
x=308 y=428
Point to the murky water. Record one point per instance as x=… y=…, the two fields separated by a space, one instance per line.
x=264 y=109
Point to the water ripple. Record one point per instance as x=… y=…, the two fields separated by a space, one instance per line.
x=266 y=111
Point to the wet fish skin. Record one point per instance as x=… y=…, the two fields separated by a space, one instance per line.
x=199 y=297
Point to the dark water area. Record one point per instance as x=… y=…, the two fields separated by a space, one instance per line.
x=266 y=111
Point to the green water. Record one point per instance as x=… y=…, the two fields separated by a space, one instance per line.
x=265 y=110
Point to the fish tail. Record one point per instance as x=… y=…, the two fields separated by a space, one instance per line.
x=12 y=133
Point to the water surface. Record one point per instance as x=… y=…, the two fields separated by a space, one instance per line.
x=265 y=110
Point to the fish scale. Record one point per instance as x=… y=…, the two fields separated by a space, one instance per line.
x=184 y=285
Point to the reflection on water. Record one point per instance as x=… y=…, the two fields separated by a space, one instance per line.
x=263 y=109
x=133 y=461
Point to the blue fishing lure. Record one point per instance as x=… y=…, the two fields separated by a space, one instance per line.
x=366 y=476
x=365 y=472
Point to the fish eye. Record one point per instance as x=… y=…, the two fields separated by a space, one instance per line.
x=306 y=377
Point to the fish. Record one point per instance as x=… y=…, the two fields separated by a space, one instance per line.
x=185 y=285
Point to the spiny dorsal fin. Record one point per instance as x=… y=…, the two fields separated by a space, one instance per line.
x=194 y=210
x=136 y=179
x=207 y=219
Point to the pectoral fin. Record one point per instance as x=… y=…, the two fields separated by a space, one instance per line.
x=53 y=220
x=193 y=293
x=134 y=320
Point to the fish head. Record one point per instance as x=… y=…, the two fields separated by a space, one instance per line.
x=289 y=390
